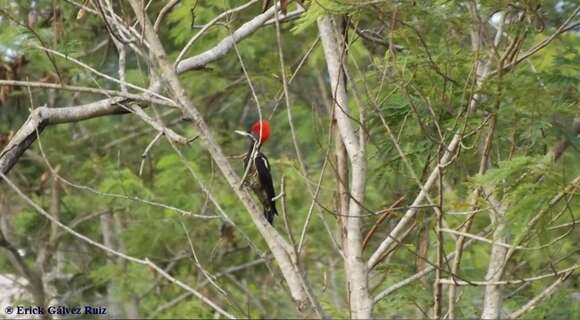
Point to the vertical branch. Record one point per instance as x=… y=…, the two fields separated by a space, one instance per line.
x=437 y=292
x=341 y=170
x=342 y=182
x=459 y=246
x=332 y=54
x=492 y=300
x=356 y=269
x=55 y=206
x=47 y=251
x=482 y=72
x=285 y=216
x=484 y=164
x=107 y=229
x=286 y=95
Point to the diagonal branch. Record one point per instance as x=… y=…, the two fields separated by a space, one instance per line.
x=209 y=25
x=43 y=116
x=564 y=27
x=388 y=243
x=226 y=44
x=281 y=250
x=537 y=299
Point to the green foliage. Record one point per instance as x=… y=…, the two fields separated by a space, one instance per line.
x=319 y=8
x=516 y=181
x=123 y=182
x=422 y=92
x=27 y=221
x=181 y=19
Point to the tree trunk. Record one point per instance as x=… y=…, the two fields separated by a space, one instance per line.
x=356 y=268
x=492 y=302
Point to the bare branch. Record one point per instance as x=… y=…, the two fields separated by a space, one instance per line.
x=506 y=282
x=104 y=92
x=356 y=270
x=209 y=25
x=164 y=11
x=414 y=277
x=226 y=44
x=565 y=26
x=387 y=244
x=539 y=298
x=41 y=117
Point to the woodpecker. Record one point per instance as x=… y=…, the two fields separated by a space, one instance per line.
x=258 y=176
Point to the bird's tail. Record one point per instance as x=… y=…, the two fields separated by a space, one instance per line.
x=270 y=211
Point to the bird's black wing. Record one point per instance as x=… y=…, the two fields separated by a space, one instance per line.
x=265 y=177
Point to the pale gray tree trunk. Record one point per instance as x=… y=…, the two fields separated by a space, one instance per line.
x=492 y=301
x=356 y=268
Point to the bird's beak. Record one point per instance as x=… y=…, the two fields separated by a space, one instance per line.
x=246 y=134
x=243 y=133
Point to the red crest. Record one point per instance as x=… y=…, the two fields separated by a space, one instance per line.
x=261 y=129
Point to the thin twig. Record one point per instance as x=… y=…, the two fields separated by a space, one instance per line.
x=109 y=93
x=507 y=282
x=145 y=153
x=163 y=12
x=380 y=220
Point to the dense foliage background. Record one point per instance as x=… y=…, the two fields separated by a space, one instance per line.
x=151 y=206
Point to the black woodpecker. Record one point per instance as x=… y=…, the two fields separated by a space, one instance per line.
x=258 y=176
